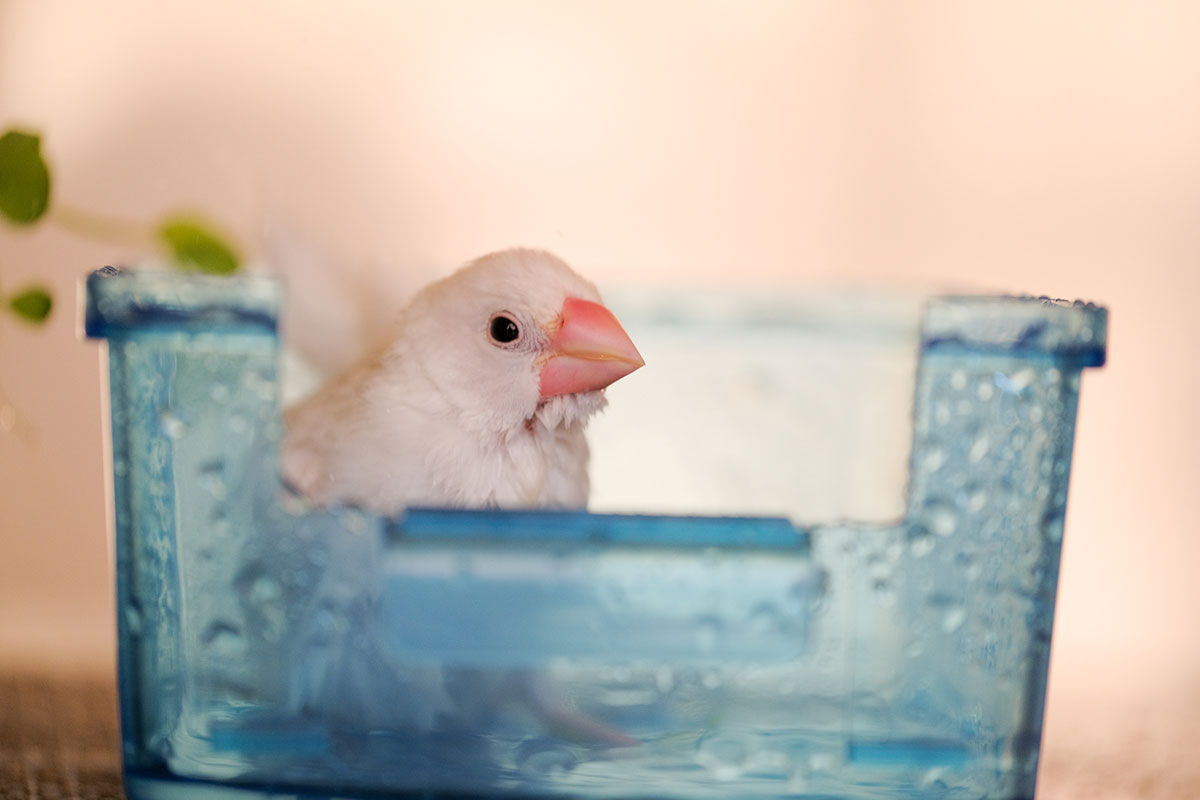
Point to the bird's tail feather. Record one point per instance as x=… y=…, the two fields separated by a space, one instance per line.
x=336 y=309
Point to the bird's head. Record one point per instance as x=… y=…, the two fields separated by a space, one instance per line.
x=517 y=337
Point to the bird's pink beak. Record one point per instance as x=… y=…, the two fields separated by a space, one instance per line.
x=589 y=351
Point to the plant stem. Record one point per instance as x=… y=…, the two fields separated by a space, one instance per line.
x=11 y=418
x=94 y=226
x=12 y=421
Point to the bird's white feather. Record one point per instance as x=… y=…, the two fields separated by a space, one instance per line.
x=440 y=415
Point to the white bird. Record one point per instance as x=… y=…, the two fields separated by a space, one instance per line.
x=479 y=399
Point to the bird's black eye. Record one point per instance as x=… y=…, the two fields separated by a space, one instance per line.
x=503 y=330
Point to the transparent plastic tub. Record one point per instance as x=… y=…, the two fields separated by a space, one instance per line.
x=727 y=640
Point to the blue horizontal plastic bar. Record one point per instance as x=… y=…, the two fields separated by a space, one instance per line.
x=580 y=527
x=1019 y=327
x=1086 y=356
x=120 y=300
x=922 y=753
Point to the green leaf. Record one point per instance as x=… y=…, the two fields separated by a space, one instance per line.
x=32 y=304
x=24 y=178
x=196 y=248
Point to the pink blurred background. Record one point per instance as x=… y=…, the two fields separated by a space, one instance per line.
x=1051 y=148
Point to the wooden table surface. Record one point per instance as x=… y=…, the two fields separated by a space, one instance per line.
x=59 y=739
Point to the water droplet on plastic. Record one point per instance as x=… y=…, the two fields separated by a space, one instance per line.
x=953 y=618
x=238 y=423
x=878 y=568
x=985 y=391
x=976 y=500
x=356 y=521
x=723 y=754
x=219 y=393
x=172 y=425
x=967 y=563
x=212 y=478
x=264 y=590
x=664 y=679
x=1052 y=526
x=915 y=648
x=883 y=592
x=949 y=609
x=634 y=697
x=545 y=757
x=822 y=762
x=1015 y=383
x=222 y=639
x=941 y=517
x=293 y=504
x=979 y=448
x=933 y=459
x=920 y=541
x=932 y=778
x=958 y=380
x=133 y=619
x=218 y=524
x=1036 y=414
x=325 y=623
x=261 y=384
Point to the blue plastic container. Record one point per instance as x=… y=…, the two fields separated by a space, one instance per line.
x=276 y=650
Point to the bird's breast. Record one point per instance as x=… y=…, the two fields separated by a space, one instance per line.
x=531 y=468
